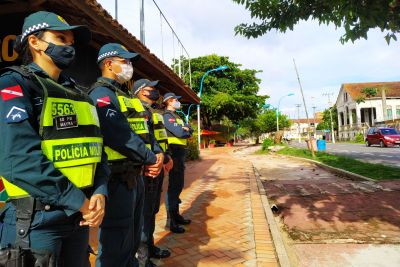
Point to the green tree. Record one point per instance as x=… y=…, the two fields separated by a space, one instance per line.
x=265 y=122
x=356 y=16
x=326 y=120
x=230 y=94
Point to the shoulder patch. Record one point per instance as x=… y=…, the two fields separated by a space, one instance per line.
x=11 y=92
x=104 y=101
x=171 y=119
x=16 y=114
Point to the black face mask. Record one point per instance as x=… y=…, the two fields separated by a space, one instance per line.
x=153 y=95
x=62 y=55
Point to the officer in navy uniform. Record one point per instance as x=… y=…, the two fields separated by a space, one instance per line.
x=51 y=156
x=146 y=91
x=178 y=132
x=128 y=154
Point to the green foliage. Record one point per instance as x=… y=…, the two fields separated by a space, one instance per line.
x=374 y=171
x=326 y=120
x=369 y=92
x=267 y=143
x=231 y=93
x=357 y=17
x=192 y=152
x=265 y=122
x=212 y=141
x=359 y=138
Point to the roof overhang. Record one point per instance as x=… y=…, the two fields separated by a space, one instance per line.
x=104 y=30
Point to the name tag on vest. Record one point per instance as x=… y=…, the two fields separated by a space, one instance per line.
x=66 y=122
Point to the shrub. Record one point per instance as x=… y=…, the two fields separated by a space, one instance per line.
x=359 y=138
x=192 y=152
x=267 y=143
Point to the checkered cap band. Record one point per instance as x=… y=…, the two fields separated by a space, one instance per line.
x=34 y=28
x=107 y=54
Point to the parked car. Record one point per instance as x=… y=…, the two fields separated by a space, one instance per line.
x=382 y=137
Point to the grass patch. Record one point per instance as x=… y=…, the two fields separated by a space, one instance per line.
x=371 y=170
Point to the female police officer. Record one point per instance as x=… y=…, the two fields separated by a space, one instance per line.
x=178 y=132
x=49 y=148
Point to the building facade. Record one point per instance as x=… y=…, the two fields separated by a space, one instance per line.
x=358 y=111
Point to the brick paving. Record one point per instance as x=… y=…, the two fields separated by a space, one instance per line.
x=228 y=227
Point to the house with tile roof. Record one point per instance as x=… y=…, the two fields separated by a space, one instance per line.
x=300 y=127
x=358 y=110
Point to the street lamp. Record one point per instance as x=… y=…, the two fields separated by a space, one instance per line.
x=277 y=110
x=198 y=106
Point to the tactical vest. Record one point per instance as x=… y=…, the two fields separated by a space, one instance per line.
x=172 y=139
x=135 y=113
x=70 y=132
x=160 y=132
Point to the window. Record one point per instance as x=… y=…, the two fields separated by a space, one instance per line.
x=389 y=113
x=345 y=97
x=397 y=112
x=341 y=118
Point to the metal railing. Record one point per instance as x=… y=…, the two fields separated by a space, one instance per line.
x=164 y=42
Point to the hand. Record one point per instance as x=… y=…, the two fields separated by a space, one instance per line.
x=85 y=208
x=96 y=211
x=169 y=165
x=155 y=169
x=186 y=128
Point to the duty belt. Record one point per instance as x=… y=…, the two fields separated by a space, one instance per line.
x=37 y=204
x=125 y=171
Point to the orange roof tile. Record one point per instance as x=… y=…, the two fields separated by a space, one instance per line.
x=354 y=89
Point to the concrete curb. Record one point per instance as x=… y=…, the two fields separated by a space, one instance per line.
x=273 y=227
x=343 y=173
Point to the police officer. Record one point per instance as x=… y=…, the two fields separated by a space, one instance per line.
x=121 y=123
x=146 y=91
x=178 y=132
x=49 y=147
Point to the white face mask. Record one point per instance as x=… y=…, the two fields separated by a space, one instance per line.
x=125 y=74
x=176 y=105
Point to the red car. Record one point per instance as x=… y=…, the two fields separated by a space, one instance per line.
x=382 y=137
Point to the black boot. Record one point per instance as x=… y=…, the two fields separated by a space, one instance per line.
x=158 y=253
x=173 y=224
x=181 y=220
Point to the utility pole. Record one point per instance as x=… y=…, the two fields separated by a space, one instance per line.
x=298 y=121
x=142 y=31
x=315 y=127
x=305 y=108
x=116 y=9
x=330 y=112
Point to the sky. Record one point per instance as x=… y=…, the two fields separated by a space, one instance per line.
x=207 y=27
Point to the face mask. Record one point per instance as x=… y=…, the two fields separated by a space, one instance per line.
x=125 y=74
x=153 y=95
x=61 y=55
x=176 y=105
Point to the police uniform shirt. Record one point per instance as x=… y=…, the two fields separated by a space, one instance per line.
x=22 y=161
x=115 y=127
x=175 y=128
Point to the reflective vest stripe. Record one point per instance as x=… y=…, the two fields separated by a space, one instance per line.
x=163 y=145
x=73 y=151
x=160 y=134
x=177 y=141
x=139 y=125
x=85 y=112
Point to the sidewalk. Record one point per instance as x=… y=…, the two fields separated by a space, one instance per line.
x=228 y=227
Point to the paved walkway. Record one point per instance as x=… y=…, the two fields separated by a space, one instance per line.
x=228 y=222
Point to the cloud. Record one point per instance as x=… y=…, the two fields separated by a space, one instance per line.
x=206 y=27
